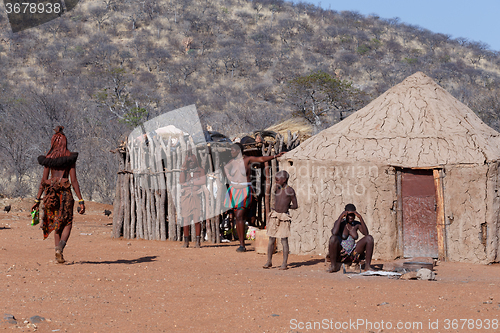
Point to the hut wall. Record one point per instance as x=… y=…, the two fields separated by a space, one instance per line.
x=324 y=188
x=465 y=211
x=492 y=226
x=471 y=213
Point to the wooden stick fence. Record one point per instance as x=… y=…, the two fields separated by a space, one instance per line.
x=148 y=188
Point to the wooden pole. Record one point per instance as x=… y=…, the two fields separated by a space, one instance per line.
x=210 y=185
x=193 y=230
x=258 y=190
x=399 y=214
x=154 y=189
x=117 y=203
x=162 y=189
x=220 y=196
x=214 y=166
x=272 y=178
x=210 y=201
x=177 y=193
x=440 y=223
x=138 y=207
x=278 y=148
x=137 y=193
x=213 y=152
x=155 y=195
x=172 y=234
x=274 y=166
x=126 y=198
x=132 y=207
x=267 y=192
x=144 y=191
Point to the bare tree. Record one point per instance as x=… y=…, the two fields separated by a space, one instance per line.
x=99 y=14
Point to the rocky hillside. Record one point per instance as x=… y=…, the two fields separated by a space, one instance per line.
x=106 y=66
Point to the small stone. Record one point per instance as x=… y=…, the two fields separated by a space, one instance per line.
x=8 y=318
x=36 y=319
x=426 y=274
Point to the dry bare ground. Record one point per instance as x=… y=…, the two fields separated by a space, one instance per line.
x=119 y=285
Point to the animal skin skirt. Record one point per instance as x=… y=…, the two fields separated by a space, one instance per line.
x=58 y=205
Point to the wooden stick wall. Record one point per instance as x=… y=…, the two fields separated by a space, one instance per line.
x=148 y=189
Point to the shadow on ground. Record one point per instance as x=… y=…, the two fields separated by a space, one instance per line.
x=311 y=262
x=121 y=261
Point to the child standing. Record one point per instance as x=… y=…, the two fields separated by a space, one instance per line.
x=278 y=225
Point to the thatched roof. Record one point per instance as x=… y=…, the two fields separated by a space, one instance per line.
x=298 y=125
x=414 y=124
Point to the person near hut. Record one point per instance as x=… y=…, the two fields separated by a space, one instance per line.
x=343 y=247
x=239 y=194
x=192 y=178
x=59 y=165
x=278 y=225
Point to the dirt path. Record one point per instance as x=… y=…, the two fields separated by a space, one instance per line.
x=118 y=285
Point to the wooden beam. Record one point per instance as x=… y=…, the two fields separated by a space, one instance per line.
x=399 y=214
x=440 y=223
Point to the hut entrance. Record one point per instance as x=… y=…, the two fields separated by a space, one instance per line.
x=419 y=205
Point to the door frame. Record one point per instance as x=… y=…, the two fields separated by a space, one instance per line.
x=438 y=175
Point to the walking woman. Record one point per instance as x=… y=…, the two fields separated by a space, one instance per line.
x=58 y=202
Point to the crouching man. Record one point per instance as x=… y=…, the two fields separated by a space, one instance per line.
x=343 y=247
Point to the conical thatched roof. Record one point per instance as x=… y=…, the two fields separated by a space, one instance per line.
x=414 y=124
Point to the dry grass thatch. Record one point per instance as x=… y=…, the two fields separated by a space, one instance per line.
x=296 y=125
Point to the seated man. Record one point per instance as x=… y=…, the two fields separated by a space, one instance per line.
x=343 y=247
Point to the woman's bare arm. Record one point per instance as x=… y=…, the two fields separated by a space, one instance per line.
x=76 y=187
x=336 y=226
x=363 y=228
x=261 y=159
x=45 y=176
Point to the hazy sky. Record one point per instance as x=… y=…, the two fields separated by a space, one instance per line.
x=475 y=20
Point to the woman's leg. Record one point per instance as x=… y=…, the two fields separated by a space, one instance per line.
x=186 y=235
x=60 y=238
x=197 y=227
x=240 y=228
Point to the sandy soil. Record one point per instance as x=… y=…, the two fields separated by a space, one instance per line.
x=120 y=285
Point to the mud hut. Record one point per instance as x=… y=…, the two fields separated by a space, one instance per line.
x=419 y=165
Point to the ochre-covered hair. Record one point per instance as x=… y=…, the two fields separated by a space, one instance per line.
x=58 y=144
x=58 y=156
x=192 y=157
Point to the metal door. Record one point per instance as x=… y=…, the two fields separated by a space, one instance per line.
x=419 y=213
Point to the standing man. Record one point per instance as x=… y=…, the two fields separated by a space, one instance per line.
x=239 y=193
